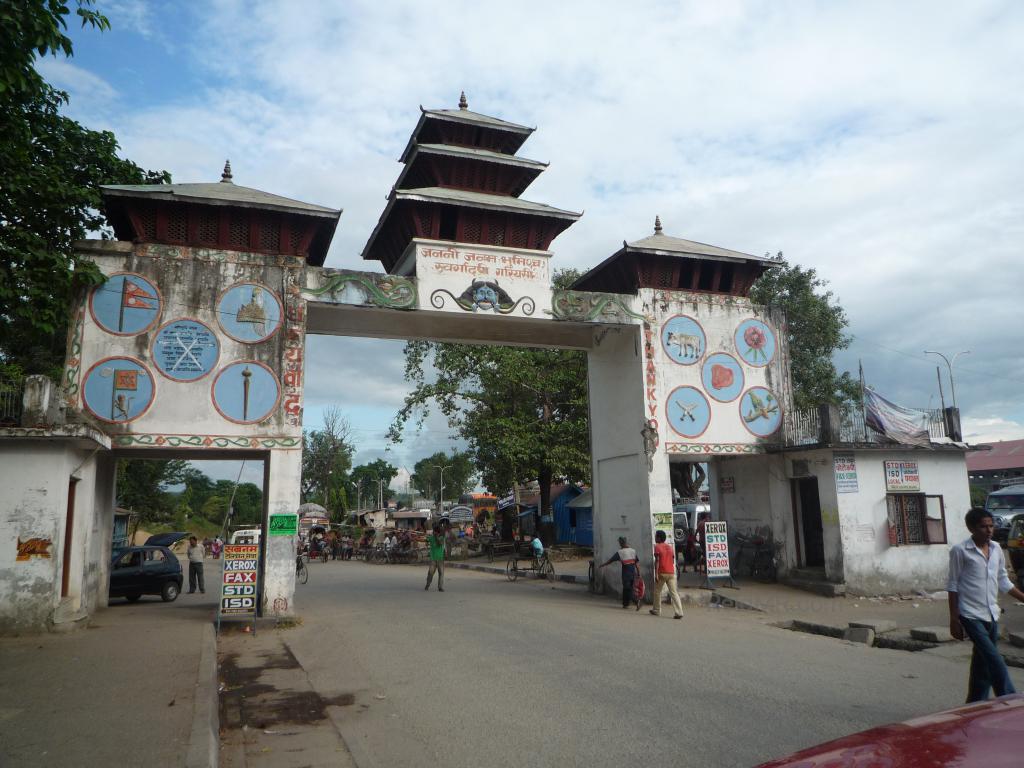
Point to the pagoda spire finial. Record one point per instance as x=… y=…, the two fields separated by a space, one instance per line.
x=657 y=225
x=225 y=177
x=463 y=104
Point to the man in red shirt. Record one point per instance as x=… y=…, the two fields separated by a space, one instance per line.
x=665 y=567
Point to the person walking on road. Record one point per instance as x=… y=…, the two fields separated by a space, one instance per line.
x=630 y=561
x=977 y=572
x=436 y=543
x=665 y=575
x=195 y=553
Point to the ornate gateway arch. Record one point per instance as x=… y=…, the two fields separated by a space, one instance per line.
x=195 y=344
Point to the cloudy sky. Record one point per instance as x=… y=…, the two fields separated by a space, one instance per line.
x=880 y=143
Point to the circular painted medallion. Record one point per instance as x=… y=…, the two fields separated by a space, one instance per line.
x=125 y=305
x=185 y=350
x=760 y=411
x=683 y=339
x=722 y=377
x=249 y=313
x=755 y=342
x=688 y=411
x=118 y=389
x=246 y=392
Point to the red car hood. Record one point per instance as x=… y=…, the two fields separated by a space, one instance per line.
x=989 y=734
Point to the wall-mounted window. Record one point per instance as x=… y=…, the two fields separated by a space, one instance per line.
x=916 y=518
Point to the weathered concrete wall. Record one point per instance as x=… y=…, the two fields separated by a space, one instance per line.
x=36 y=473
x=282 y=472
x=625 y=492
x=760 y=497
x=872 y=564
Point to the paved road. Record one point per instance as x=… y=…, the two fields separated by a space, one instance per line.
x=491 y=673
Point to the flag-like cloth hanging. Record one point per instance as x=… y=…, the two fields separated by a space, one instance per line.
x=902 y=425
x=134 y=296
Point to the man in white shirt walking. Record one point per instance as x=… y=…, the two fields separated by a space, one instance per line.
x=976 y=571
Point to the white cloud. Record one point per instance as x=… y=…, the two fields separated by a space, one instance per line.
x=879 y=143
x=84 y=85
x=991 y=429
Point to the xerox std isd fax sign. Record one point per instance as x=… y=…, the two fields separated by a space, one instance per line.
x=238 y=582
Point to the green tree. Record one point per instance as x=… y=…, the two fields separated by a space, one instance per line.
x=143 y=487
x=50 y=174
x=522 y=411
x=459 y=475
x=815 y=325
x=326 y=461
x=369 y=476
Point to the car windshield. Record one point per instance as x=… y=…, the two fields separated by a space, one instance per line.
x=1017 y=531
x=1006 y=501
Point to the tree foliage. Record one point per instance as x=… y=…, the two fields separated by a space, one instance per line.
x=148 y=488
x=815 y=332
x=326 y=461
x=522 y=411
x=459 y=475
x=373 y=480
x=50 y=175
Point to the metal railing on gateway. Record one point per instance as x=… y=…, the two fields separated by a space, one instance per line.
x=811 y=426
x=11 y=393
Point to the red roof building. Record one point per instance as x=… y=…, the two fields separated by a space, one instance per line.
x=996 y=464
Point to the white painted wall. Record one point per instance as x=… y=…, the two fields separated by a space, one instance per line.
x=872 y=565
x=35 y=474
x=282 y=473
x=719 y=316
x=624 y=491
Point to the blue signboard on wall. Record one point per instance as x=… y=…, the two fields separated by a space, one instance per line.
x=688 y=411
x=126 y=304
x=118 y=389
x=246 y=392
x=249 y=313
x=185 y=350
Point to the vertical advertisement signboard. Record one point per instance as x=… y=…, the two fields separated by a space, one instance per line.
x=716 y=547
x=238 y=582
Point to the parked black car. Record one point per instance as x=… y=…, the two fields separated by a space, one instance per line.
x=151 y=569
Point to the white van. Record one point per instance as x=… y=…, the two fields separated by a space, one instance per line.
x=246 y=536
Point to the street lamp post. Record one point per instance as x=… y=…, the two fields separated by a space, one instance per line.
x=441 y=468
x=949 y=365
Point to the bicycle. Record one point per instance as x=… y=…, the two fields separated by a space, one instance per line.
x=301 y=571
x=540 y=565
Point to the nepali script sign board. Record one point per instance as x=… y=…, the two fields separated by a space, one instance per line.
x=716 y=550
x=902 y=476
x=482 y=279
x=238 y=592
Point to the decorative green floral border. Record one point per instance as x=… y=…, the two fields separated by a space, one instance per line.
x=583 y=306
x=202 y=441
x=712 y=448
x=73 y=366
x=381 y=290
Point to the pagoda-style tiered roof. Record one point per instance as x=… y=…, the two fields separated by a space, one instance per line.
x=220 y=215
x=462 y=182
x=672 y=263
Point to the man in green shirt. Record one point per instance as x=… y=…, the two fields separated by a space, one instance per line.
x=436 y=542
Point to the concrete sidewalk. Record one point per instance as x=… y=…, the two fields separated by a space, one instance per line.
x=902 y=622
x=138 y=686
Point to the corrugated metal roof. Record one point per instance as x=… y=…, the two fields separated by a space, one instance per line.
x=466 y=116
x=219 y=193
x=453 y=150
x=1006 y=454
x=483 y=200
